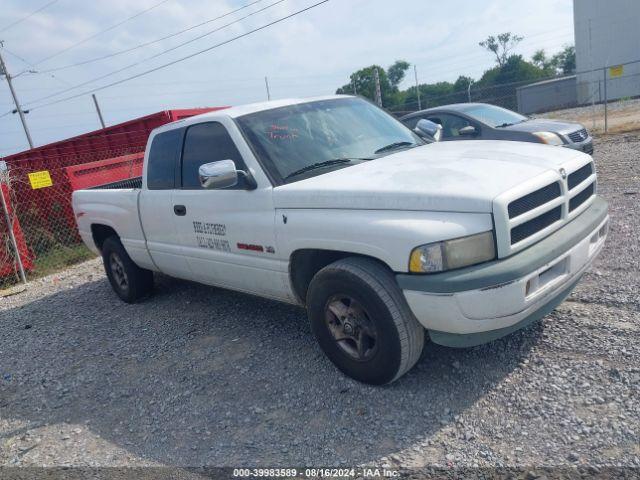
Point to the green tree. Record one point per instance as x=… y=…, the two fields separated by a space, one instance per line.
x=565 y=60
x=397 y=71
x=362 y=82
x=539 y=58
x=498 y=84
x=501 y=45
x=462 y=83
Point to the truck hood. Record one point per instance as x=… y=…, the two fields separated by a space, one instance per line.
x=463 y=176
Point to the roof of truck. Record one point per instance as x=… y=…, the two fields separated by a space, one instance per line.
x=235 y=112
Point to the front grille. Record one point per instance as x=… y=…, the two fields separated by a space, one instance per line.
x=579 y=135
x=580 y=175
x=534 y=225
x=534 y=199
x=580 y=198
x=521 y=220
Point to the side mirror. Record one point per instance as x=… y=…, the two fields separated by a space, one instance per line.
x=468 y=131
x=222 y=174
x=428 y=130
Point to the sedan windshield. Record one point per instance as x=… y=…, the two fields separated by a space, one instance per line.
x=494 y=116
x=308 y=139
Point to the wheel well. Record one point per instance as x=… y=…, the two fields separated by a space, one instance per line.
x=304 y=264
x=100 y=233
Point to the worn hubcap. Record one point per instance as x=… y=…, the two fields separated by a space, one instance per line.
x=351 y=327
x=117 y=269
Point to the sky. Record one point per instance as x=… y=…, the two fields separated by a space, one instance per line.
x=310 y=54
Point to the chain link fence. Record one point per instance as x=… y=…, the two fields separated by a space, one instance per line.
x=605 y=100
x=39 y=215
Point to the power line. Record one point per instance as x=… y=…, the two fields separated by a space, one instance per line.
x=11 y=25
x=27 y=62
x=135 y=64
x=146 y=72
x=146 y=44
x=108 y=29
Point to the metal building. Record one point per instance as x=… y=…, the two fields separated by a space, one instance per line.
x=607 y=38
x=547 y=95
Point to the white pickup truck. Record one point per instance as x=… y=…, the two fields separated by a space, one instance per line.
x=332 y=204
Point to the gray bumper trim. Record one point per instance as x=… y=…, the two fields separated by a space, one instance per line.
x=464 y=340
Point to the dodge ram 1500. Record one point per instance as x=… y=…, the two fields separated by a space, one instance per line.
x=332 y=204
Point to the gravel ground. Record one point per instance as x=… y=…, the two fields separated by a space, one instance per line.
x=201 y=376
x=623 y=116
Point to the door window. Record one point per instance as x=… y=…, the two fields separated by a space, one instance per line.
x=206 y=143
x=161 y=168
x=451 y=124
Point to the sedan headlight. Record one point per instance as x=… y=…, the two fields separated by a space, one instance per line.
x=450 y=254
x=549 y=138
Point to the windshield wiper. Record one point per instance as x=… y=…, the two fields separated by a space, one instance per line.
x=505 y=125
x=394 y=145
x=326 y=163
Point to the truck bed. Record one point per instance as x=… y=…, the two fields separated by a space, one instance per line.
x=135 y=183
x=111 y=206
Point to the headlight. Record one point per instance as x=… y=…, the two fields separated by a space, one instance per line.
x=549 y=138
x=450 y=254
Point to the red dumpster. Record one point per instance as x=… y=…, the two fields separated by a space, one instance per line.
x=91 y=174
x=42 y=185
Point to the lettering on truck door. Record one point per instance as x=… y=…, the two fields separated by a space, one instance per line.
x=228 y=235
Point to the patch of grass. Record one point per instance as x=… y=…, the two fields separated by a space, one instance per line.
x=59 y=258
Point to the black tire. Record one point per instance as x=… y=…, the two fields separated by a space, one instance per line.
x=388 y=340
x=137 y=282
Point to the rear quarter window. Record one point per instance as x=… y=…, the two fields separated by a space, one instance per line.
x=163 y=155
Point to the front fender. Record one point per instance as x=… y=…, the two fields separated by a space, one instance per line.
x=388 y=235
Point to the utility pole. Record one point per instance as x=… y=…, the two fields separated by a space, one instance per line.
x=415 y=72
x=606 y=101
x=469 y=91
x=591 y=75
x=266 y=83
x=376 y=77
x=353 y=84
x=95 y=102
x=5 y=72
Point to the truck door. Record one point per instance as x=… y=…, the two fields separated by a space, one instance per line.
x=227 y=235
x=156 y=204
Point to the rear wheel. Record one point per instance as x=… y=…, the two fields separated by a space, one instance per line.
x=362 y=321
x=128 y=280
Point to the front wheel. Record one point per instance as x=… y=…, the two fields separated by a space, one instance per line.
x=127 y=279
x=362 y=321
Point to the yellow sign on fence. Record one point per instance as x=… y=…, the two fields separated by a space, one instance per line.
x=616 y=70
x=40 y=179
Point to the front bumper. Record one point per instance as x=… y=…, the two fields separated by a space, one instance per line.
x=478 y=304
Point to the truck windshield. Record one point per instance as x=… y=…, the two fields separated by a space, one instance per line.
x=309 y=139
